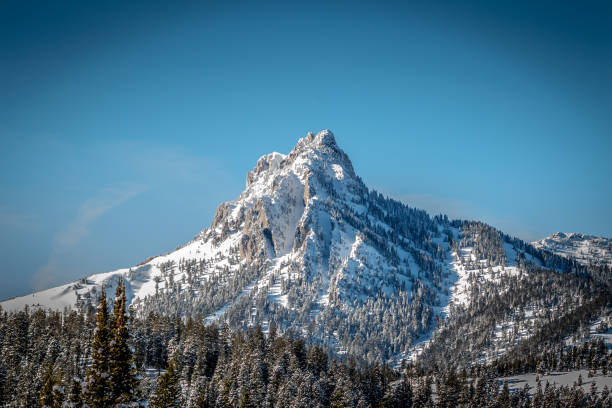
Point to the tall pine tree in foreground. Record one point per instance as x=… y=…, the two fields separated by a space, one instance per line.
x=122 y=376
x=97 y=383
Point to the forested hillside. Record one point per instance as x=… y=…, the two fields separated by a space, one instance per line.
x=73 y=360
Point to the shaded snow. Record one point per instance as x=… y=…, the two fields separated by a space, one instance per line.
x=517 y=382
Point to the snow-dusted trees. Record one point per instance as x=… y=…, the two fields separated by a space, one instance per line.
x=122 y=376
x=168 y=394
x=97 y=387
x=51 y=393
x=110 y=379
x=218 y=368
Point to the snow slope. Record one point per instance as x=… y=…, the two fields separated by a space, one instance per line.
x=586 y=249
x=569 y=378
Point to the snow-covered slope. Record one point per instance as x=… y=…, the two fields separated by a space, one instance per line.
x=586 y=249
x=309 y=249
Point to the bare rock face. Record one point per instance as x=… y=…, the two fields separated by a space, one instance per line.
x=309 y=191
x=257 y=240
x=221 y=216
x=266 y=164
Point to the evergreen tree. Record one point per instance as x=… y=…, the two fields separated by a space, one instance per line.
x=2 y=381
x=245 y=401
x=52 y=392
x=75 y=399
x=46 y=392
x=398 y=395
x=422 y=396
x=201 y=398
x=449 y=390
x=58 y=393
x=480 y=393
x=503 y=399
x=122 y=377
x=97 y=385
x=538 y=398
x=168 y=394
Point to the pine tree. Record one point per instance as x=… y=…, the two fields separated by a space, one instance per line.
x=399 y=394
x=168 y=394
x=503 y=399
x=58 y=393
x=480 y=393
x=97 y=385
x=46 y=392
x=449 y=390
x=122 y=377
x=245 y=401
x=52 y=392
x=75 y=399
x=538 y=396
x=2 y=379
x=201 y=398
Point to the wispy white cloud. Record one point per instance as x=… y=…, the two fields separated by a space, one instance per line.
x=67 y=238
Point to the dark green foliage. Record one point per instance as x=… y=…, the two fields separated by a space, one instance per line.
x=592 y=355
x=449 y=390
x=50 y=393
x=168 y=394
x=217 y=368
x=398 y=394
x=122 y=376
x=98 y=382
x=75 y=397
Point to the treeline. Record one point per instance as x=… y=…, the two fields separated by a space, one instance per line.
x=52 y=359
x=531 y=311
x=592 y=355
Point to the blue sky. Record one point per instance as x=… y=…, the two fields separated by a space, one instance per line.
x=124 y=124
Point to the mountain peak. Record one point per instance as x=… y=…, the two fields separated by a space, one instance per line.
x=320 y=141
x=312 y=153
x=323 y=138
x=322 y=147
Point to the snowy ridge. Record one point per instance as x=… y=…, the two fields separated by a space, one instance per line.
x=586 y=249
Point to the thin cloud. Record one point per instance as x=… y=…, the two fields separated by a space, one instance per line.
x=66 y=239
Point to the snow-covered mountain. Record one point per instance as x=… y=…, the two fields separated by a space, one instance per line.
x=309 y=249
x=586 y=249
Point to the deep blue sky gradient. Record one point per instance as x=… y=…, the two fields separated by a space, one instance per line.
x=124 y=124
